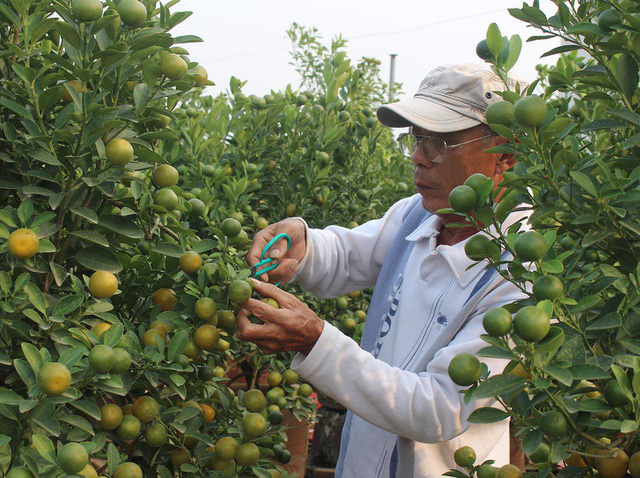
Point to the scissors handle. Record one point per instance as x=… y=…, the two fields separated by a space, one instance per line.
x=270 y=263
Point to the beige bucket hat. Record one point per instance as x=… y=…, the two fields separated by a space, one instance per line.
x=450 y=98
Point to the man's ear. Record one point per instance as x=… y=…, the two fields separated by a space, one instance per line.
x=505 y=162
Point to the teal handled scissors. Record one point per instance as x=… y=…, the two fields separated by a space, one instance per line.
x=269 y=263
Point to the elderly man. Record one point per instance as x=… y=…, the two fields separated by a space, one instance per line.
x=406 y=417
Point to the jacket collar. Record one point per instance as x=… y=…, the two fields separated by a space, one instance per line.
x=464 y=269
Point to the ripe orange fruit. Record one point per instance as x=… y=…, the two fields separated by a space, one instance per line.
x=274 y=379
x=208 y=411
x=88 y=471
x=165 y=298
x=149 y=340
x=615 y=467
x=191 y=350
x=190 y=262
x=205 y=308
x=634 y=465
x=231 y=227
x=462 y=198
x=531 y=323
x=553 y=424
x=206 y=337
x=200 y=75
x=23 y=243
x=497 y=322
x=161 y=326
x=509 y=471
x=145 y=409
x=465 y=456
x=165 y=176
x=167 y=199
x=132 y=12
x=119 y=152
x=254 y=400
x=121 y=361
x=101 y=358
x=500 y=112
x=520 y=371
x=530 y=246
x=73 y=457
x=173 y=66
x=129 y=428
x=530 y=111
x=261 y=223
x=86 y=11
x=305 y=390
x=100 y=328
x=155 y=435
x=240 y=291
x=575 y=460
x=290 y=377
x=226 y=448
x=465 y=369
x=548 y=287
x=66 y=96
x=198 y=208
x=254 y=425
x=54 y=378
x=103 y=284
x=111 y=416
x=247 y=454
x=179 y=457
x=127 y=470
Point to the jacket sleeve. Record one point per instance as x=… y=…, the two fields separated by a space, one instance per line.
x=340 y=260
x=426 y=406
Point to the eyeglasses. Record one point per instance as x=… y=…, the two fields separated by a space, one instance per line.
x=434 y=149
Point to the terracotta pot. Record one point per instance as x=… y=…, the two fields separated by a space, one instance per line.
x=297 y=443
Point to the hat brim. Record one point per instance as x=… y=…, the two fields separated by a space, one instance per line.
x=425 y=114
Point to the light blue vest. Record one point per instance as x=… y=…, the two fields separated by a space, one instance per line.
x=394 y=264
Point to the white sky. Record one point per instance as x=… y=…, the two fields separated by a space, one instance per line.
x=247 y=39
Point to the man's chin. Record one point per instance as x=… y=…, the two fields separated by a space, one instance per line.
x=428 y=203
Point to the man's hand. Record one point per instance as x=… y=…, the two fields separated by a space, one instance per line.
x=292 y=327
x=289 y=260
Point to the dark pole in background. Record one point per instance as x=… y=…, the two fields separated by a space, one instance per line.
x=392 y=75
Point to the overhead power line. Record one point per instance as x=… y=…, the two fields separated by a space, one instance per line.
x=367 y=35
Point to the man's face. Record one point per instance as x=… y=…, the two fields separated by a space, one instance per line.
x=434 y=181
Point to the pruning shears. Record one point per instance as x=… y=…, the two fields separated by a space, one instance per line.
x=269 y=263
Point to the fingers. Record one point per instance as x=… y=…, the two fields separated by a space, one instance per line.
x=269 y=290
x=248 y=331
x=284 y=272
x=263 y=311
x=260 y=240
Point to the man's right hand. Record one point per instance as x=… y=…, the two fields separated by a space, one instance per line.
x=290 y=259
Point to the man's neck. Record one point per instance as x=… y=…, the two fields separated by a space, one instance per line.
x=452 y=235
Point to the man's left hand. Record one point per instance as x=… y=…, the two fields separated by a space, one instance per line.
x=292 y=327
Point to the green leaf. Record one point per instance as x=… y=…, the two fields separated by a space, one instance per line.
x=515 y=47
x=628 y=75
x=141 y=95
x=98 y=258
x=85 y=213
x=71 y=356
x=90 y=408
x=585 y=182
x=562 y=375
x=532 y=440
x=113 y=457
x=25 y=372
x=609 y=321
x=32 y=354
x=586 y=29
x=121 y=225
x=487 y=415
x=91 y=236
x=560 y=49
x=628 y=426
x=494 y=39
x=45 y=447
x=44 y=157
x=67 y=304
x=35 y=297
x=15 y=107
x=9 y=397
x=177 y=344
x=168 y=249
x=588 y=372
x=498 y=385
x=113 y=335
x=25 y=211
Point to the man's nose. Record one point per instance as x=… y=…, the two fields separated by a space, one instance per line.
x=420 y=158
